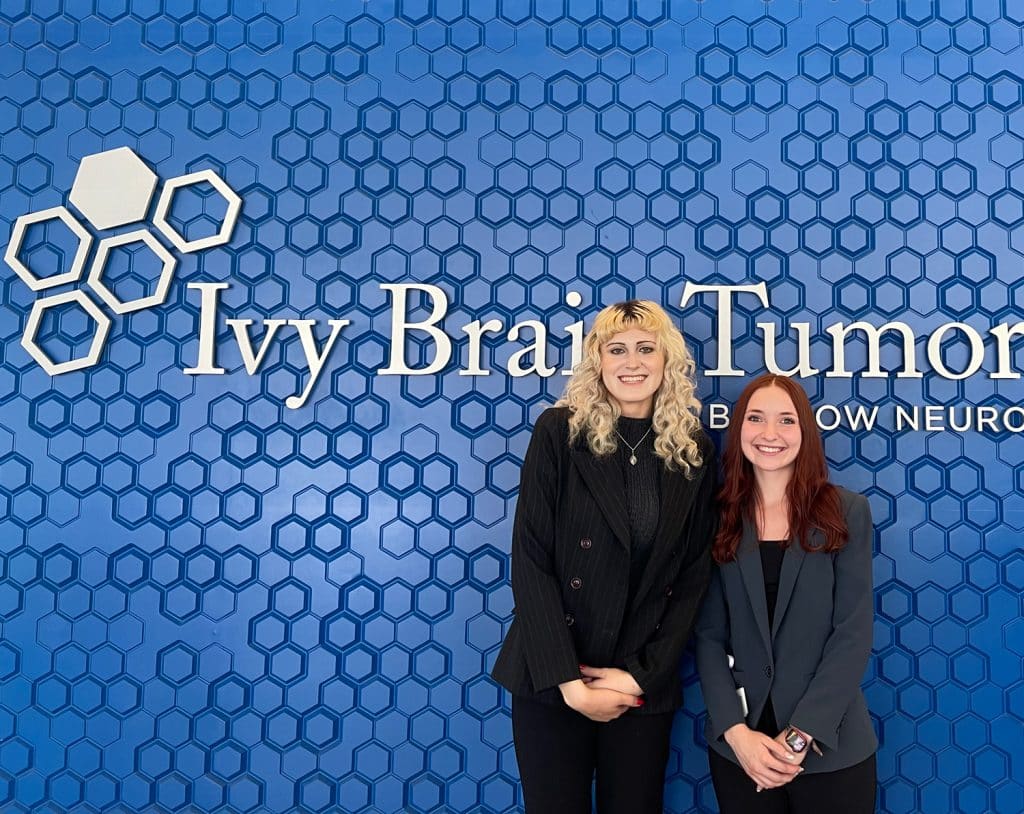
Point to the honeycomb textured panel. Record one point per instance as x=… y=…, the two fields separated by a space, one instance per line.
x=243 y=571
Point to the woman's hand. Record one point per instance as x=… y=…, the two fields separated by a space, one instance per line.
x=601 y=705
x=610 y=678
x=768 y=763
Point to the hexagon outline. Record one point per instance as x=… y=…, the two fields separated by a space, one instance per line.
x=18 y=235
x=28 y=340
x=227 y=227
x=163 y=283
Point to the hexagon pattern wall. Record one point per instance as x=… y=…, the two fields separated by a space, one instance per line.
x=211 y=601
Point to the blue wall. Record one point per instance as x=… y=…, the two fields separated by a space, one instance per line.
x=213 y=601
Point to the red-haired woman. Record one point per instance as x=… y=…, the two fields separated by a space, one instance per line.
x=785 y=632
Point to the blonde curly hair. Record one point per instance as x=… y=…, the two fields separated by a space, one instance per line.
x=676 y=419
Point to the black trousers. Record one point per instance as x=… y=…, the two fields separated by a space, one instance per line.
x=560 y=751
x=844 y=791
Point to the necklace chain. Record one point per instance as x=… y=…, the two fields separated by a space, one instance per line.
x=634 y=447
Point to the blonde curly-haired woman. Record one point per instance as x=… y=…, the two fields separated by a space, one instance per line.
x=610 y=560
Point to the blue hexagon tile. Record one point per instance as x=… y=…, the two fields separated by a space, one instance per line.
x=284 y=287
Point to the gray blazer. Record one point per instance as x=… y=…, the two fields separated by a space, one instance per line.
x=813 y=659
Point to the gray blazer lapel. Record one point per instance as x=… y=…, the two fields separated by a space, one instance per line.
x=603 y=477
x=748 y=558
x=792 y=561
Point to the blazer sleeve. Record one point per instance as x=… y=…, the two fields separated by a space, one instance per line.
x=550 y=651
x=712 y=650
x=848 y=646
x=658 y=660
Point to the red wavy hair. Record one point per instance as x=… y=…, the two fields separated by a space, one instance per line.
x=813 y=501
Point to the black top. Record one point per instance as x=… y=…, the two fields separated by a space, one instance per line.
x=643 y=498
x=771 y=564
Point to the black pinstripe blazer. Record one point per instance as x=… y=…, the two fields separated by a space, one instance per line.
x=570 y=571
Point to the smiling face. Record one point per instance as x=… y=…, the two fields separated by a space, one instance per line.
x=770 y=437
x=632 y=367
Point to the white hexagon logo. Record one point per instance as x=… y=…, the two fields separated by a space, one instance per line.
x=40 y=307
x=113 y=188
x=18 y=236
x=163 y=283
x=163 y=207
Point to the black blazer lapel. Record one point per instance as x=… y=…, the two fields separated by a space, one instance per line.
x=603 y=477
x=677 y=496
x=748 y=558
x=792 y=561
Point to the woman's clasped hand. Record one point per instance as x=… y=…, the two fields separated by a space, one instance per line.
x=769 y=762
x=602 y=694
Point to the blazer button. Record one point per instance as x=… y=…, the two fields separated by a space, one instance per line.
x=668 y=591
x=586 y=543
x=576 y=583
x=570 y=619
x=768 y=672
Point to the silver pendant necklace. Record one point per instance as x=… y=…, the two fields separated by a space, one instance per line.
x=633 y=447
